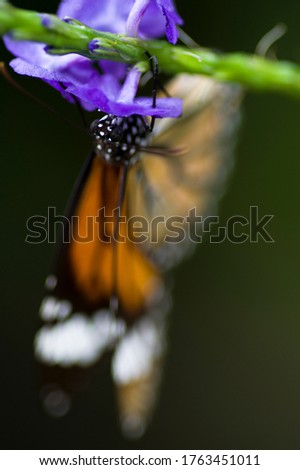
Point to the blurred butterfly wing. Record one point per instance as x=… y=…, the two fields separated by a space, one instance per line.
x=136 y=369
x=78 y=325
x=171 y=186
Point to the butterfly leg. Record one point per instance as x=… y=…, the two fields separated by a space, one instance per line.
x=154 y=69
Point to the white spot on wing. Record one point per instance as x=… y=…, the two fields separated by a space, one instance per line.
x=137 y=351
x=54 y=309
x=77 y=341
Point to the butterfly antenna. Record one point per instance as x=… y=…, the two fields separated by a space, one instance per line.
x=186 y=39
x=4 y=72
x=265 y=45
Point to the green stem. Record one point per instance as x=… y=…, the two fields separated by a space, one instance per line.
x=255 y=72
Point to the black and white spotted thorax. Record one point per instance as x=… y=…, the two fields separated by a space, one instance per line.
x=119 y=139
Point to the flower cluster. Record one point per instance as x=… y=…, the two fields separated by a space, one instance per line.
x=103 y=85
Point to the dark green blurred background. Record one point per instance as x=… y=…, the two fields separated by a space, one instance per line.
x=232 y=378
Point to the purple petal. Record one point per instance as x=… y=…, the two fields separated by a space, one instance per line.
x=30 y=51
x=118 y=69
x=24 y=68
x=165 y=107
x=172 y=19
x=108 y=88
x=153 y=18
x=107 y=15
x=34 y=54
x=135 y=16
x=130 y=86
x=153 y=23
x=108 y=102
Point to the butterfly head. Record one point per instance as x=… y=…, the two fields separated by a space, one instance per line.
x=118 y=139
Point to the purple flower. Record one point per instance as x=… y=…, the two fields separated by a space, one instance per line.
x=99 y=84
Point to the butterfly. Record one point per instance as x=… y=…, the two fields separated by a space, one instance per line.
x=107 y=292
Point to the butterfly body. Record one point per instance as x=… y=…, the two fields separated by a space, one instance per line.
x=117 y=139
